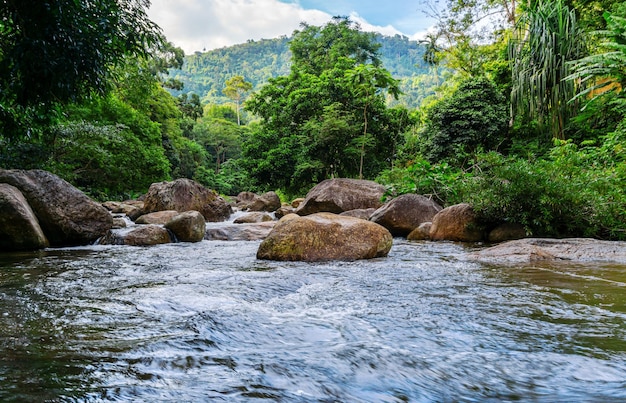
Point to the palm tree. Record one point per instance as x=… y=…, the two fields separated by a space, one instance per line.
x=547 y=37
x=605 y=71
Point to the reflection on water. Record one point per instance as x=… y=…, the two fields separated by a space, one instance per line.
x=208 y=322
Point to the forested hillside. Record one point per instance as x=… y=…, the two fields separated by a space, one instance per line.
x=205 y=73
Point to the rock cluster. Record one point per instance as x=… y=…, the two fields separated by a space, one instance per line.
x=339 y=219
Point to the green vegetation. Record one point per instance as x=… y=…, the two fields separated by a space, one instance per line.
x=523 y=119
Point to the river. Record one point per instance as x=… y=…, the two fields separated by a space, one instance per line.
x=209 y=322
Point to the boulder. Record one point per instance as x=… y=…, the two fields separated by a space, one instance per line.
x=239 y=232
x=295 y=203
x=325 y=236
x=507 y=232
x=405 y=213
x=362 y=213
x=132 y=208
x=158 y=217
x=456 y=223
x=19 y=227
x=119 y=222
x=244 y=198
x=339 y=195
x=266 y=202
x=539 y=249
x=283 y=211
x=184 y=195
x=420 y=233
x=142 y=235
x=66 y=215
x=188 y=226
x=254 y=217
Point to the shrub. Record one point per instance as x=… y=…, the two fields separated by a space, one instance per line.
x=475 y=117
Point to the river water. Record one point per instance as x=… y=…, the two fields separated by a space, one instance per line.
x=209 y=322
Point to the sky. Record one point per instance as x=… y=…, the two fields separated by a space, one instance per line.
x=199 y=25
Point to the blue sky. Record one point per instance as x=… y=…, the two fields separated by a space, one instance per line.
x=197 y=25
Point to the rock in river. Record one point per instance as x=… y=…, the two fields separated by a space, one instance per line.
x=325 y=236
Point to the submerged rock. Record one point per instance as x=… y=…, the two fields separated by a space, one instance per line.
x=254 y=217
x=239 y=232
x=339 y=195
x=545 y=249
x=142 y=235
x=325 y=236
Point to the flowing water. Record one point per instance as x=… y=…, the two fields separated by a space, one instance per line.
x=209 y=322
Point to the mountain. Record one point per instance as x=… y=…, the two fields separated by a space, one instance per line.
x=204 y=73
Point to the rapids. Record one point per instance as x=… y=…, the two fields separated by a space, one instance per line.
x=209 y=322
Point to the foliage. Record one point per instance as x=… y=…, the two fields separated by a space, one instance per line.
x=220 y=138
x=317 y=122
x=474 y=117
x=575 y=192
x=205 y=73
x=105 y=160
x=547 y=38
x=61 y=50
x=604 y=73
x=236 y=89
x=438 y=181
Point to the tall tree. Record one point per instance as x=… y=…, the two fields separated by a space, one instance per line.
x=236 y=89
x=368 y=81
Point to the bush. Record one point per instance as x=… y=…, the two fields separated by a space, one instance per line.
x=474 y=117
x=572 y=193
x=438 y=181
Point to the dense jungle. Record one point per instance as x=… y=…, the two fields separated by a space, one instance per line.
x=523 y=117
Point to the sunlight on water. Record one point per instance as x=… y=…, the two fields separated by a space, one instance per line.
x=208 y=322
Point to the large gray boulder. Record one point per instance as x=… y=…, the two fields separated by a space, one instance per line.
x=339 y=195
x=325 y=236
x=184 y=195
x=66 y=215
x=405 y=213
x=545 y=249
x=19 y=228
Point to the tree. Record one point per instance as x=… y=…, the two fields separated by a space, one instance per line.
x=326 y=114
x=316 y=49
x=236 y=89
x=547 y=39
x=61 y=50
x=604 y=73
x=368 y=80
x=474 y=117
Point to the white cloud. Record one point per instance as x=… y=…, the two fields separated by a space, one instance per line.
x=388 y=30
x=195 y=25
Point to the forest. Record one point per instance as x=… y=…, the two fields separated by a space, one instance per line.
x=524 y=117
